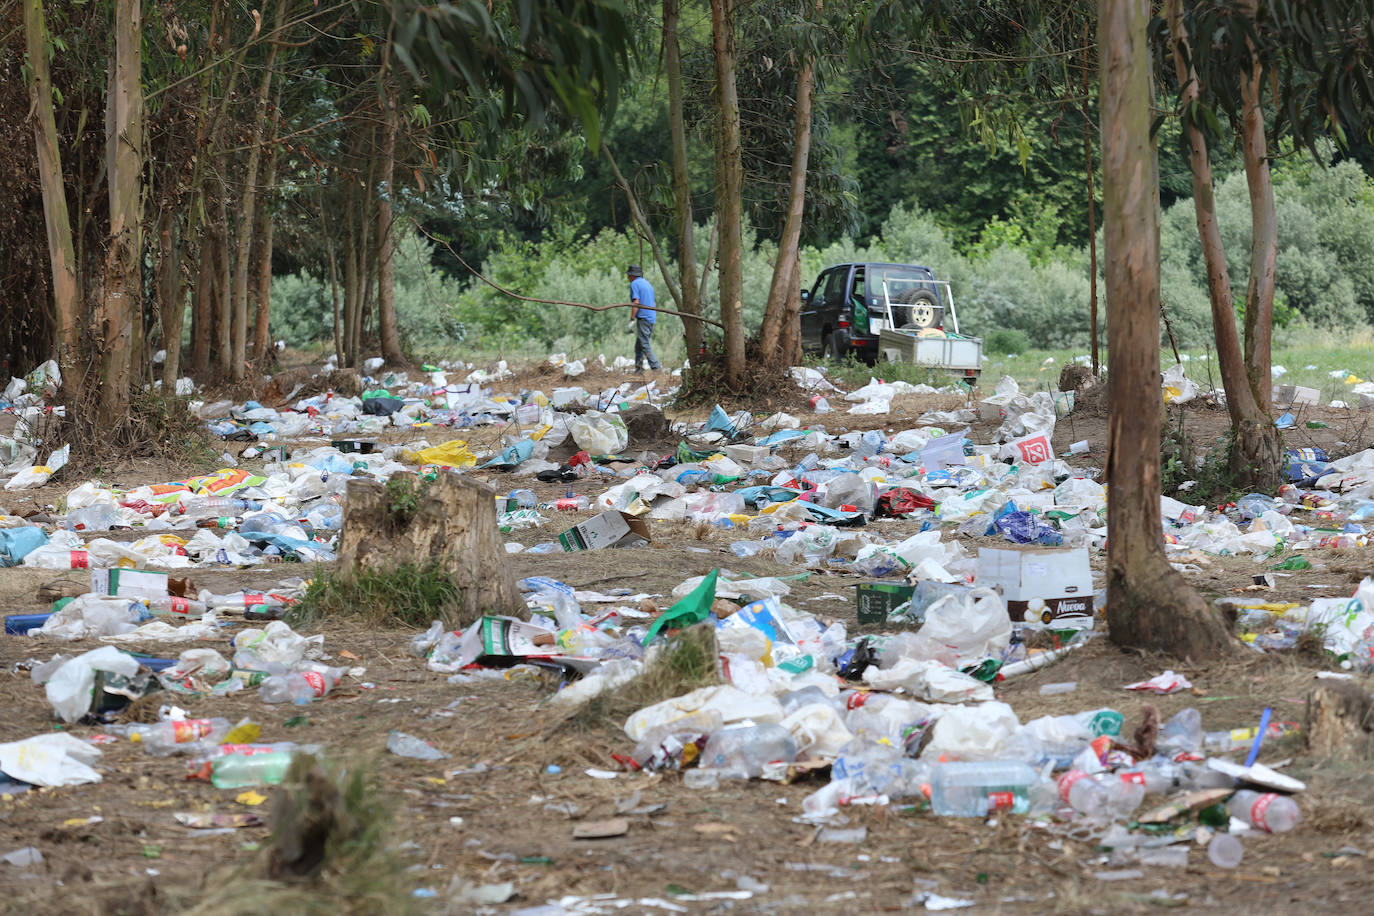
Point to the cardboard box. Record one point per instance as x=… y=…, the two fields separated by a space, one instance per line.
x=992 y=411
x=358 y=446
x=129 y=583
x=609 y=529
x=875 y=600
x=747 y=454
x=1296 y=395
x=1053 y=584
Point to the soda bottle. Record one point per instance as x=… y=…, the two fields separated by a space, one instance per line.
x=299 y=687
x=162 y=739
x=238 y=771
x=216 y=505
x=173 y=605
x=53 y=556
x=1265 y=810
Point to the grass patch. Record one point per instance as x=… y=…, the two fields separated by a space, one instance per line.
x=855 y=373
x=408 y=595
x=685 y=662
x=331 y=851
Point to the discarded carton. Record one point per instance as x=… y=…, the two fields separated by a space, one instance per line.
x=992 y=410
x=609 y=529
x=1295 y=395
x=747 y=454
x=875 y=600
x=1051 y=585
x=129 y=583
x=360 y=446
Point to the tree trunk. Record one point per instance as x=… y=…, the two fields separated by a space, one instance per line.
x=454 y=523
x=224 y=289
x=1256 y=456
x=1149 y=605
x=790 y=344
x=173 y=310
x=56 y=218
x=262 y=237
x=386 y=243
x=352 y=285
x=1092 y=214
x=784 y=295
x=1264 y=241
x=202 y=308
x=122 y=288
x=690 y=301
x=729 y=190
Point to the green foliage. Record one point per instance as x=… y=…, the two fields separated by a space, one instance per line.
x=409 y=595
x=1005 y=341
x=403 y=494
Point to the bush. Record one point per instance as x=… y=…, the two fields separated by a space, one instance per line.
x=1005 y=341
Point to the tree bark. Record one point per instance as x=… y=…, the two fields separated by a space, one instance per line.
x=690 y=300
x=202 y=307
x=784 y=295
x=224 y=286
x=1092 y=215
x=173 y=310
x=122 y=298
x=1148 y=604
x=1256 y=457
x=56 y=218
x=729 y=189
x=352 y=285
x=386 y=243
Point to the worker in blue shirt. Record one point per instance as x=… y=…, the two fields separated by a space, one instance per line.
x=644 y=315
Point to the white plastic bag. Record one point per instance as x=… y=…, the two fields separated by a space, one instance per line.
x=32 y=476
x=818 y=729
x=56 y=759
x=72 y=687
x=971 y=732
x=599 y=433
x=961 y=630
x=928 y=680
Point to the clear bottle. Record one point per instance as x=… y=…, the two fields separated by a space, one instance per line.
x=520 y=499
x=162 y=739
x=662 y=746
x=99 y=517
x=577 y=503
x=1265 y=810
x=216 y=505
x=1182 y=734
x=981 y=787
x=299 y=687
x=54 y=556
x=244 y=600
x=172 y=605
x=238 y=771
x=743 y=751
x=1109 y=798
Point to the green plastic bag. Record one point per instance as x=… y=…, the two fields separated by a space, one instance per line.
x=693 y=608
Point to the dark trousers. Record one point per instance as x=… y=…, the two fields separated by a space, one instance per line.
x=644 y=351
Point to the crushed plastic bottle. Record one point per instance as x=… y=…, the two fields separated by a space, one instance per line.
x=742 y=752
x=162 y=739
x=299 y=687
x=1110 y=798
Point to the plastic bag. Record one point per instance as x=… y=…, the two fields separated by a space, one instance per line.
x=971 y=732
x=928 y=680
x=962 y=630
x=32 y=476
x=1028 y=528
x=453 y=453
x=71 y=688
x=17 y=543
x=599 y=433
x=818 y=729
x=902 y=501
x=57 y=759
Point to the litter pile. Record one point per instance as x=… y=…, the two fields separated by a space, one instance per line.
x=908 y=715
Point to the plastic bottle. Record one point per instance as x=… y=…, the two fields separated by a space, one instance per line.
x=217 y=505
x=173 y=606
x=1265 y=810
x=1182 y=734
x=979 y=788
x=742 y=752
x=1225 y=851
x=663 y=745
x=99 y=517
x=244 y=600
x=820 y=405
x=216 y=521
x=572 y=504
x=162 y=739
x=238 y=771
x=1108 y=799
x=520 y=499
x=54 y=556
x=1241 y=738
x=299 y=687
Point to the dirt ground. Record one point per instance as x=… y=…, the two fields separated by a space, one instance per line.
x=504 y=806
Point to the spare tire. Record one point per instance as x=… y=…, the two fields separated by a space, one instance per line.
x=920 y=306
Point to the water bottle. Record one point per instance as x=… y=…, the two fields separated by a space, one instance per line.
x=1181 y=734
x=520 y=499
x=982 y=787
x=238 y=771
x=1265 y=810
x=217 y=505
x=299 y=687
x=743 y=751
x=662 y=745
x=99 y=517
x=162 y=739
x=54 y=556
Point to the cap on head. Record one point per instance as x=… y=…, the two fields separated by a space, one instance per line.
x=634 y=271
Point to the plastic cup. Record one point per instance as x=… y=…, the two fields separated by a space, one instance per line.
x=1225 y=851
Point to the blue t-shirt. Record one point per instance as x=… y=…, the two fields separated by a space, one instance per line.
x=641 y=290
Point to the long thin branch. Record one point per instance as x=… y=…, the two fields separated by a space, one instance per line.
x=514 y=295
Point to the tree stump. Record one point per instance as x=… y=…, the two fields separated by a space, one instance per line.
x=452 y=521
x=1340 y=720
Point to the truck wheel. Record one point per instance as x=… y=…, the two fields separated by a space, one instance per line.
x=921 y=306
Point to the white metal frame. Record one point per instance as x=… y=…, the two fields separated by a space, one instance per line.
x=949 y=297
